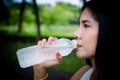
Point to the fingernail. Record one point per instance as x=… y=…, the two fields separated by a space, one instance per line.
x=58 y=55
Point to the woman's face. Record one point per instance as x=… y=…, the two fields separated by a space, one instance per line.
x=86 y=35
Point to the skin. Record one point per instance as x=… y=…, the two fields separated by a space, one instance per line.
x=58 y=56
x=86 y=36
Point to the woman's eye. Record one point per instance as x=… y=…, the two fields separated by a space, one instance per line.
x=85 y=25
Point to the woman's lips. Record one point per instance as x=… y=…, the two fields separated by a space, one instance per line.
x=78 y=46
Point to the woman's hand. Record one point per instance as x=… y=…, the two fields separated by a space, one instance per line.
x=53 y=62
x=40 y=70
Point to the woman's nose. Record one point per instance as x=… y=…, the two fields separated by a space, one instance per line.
x=77 y=33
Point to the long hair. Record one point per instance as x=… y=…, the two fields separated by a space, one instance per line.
x=106 y=39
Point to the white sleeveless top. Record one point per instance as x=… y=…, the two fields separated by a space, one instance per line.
x=87 y=74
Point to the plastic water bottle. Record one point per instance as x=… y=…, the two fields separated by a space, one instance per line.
x=35 y=54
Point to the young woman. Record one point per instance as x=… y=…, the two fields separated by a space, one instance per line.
x=95 y=43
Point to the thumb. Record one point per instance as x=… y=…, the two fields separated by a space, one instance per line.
x=54 y=61
x=59 y=56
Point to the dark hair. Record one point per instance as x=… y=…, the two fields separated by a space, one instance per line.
x=106 y=39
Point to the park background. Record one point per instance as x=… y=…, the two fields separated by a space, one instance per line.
x=21 y=26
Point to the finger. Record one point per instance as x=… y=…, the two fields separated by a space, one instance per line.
x=43 y=42
x=51 y=39
x=55 y=38
x=59 y=57
x=39 y=43
x=51 y=63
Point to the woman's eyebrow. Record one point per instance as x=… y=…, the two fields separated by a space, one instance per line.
x=84 y=21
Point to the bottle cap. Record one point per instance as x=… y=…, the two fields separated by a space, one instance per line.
x=74 y=42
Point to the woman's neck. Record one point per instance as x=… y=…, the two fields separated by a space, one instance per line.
x=94 y=74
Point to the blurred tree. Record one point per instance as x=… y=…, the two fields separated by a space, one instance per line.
x=22 y=8
x=37 y=21
x=4 y=13
x=36 y=15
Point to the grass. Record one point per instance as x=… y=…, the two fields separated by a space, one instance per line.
x=58 y=30
x=46 y=31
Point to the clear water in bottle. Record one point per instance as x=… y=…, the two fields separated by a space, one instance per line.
x=32 y=55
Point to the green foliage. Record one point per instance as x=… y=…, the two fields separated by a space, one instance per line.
x=58 y=30
x=29 y=16
x=29 y=30
x=61 y=14
x=14 y=15
x=75 y=10
x=56 y=15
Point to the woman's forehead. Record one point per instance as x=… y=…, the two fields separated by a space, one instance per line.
x=86 y=15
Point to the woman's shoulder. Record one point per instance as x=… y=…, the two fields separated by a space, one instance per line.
x=80 y=72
